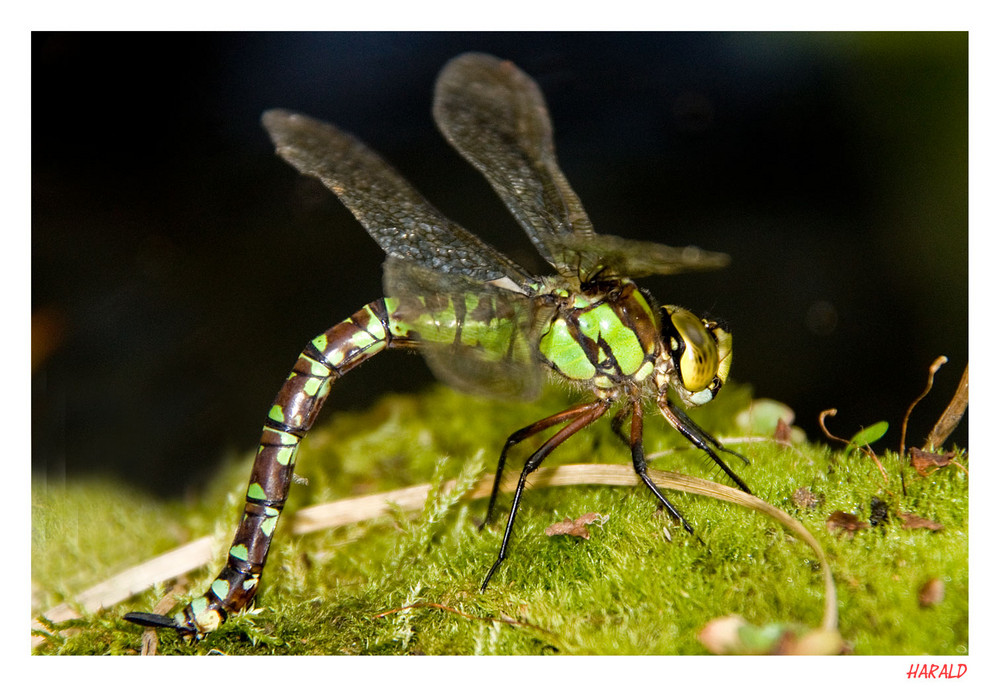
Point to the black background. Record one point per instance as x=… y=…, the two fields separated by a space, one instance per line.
x=180 y=266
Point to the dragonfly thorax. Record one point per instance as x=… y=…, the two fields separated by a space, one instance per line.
x=605 y=335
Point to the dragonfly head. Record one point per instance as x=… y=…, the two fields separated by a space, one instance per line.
x=696 y=356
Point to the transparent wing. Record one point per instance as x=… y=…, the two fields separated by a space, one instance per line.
x=401 y=221
x=609 y=255
x=475 y=337
x=495 y=116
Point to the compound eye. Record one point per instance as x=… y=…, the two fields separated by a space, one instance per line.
x=696 y=355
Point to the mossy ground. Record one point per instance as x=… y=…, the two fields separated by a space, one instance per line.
x=629 y=589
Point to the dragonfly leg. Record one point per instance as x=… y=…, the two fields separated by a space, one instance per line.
x=578 y=417
x=326 y=358
x=639 y=464
x=519 y=436
x=700 y=438
x=618 y=421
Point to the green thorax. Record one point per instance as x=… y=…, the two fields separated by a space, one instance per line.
x=606 y=335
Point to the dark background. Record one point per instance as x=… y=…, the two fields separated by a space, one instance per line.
x=178 y=266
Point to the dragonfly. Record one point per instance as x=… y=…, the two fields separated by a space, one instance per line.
x=483 y=323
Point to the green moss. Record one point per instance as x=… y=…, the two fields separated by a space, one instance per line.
x=409 y=584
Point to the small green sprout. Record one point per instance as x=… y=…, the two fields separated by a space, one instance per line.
x=867 y=436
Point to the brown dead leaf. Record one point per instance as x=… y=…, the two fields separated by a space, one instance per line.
x=926 y=462
x=573 y=528
x=782 y=432
x=912 y=521
x=932 y=593
x=845 y=522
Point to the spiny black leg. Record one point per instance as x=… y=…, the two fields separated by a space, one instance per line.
x=616 y=424
x=519 y=436
x=510 y=521
x=639 y=464
x=578 y=417
x=705 y=436
x=512 y=440
x=700 y=438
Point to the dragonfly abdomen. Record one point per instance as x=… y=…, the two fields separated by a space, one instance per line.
x=326 y=358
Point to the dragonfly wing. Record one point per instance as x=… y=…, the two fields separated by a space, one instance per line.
x=401 y=221
x=495 y=116
x=613 y=255
x=475 y=337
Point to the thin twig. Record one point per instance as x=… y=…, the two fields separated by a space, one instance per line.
x=935 y=366
x=831 y=412
x=150 y=639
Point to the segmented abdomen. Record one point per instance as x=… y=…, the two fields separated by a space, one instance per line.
x=326 y=358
